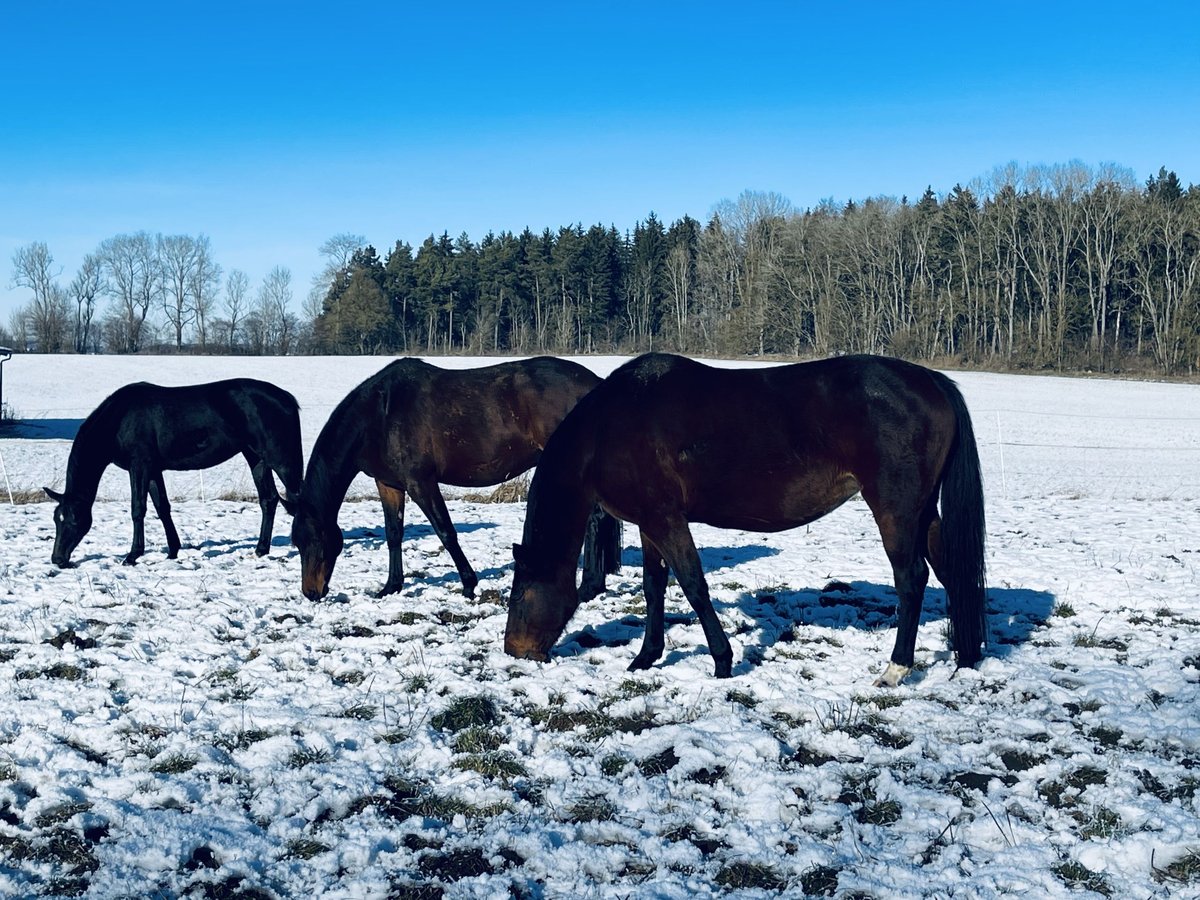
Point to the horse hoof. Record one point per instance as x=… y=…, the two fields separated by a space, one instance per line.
x=388 y=589
x=129 y=561
x=892 y=675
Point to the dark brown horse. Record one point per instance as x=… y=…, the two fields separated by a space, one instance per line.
x=665 y=441
x=412 y=426
x=146 y=429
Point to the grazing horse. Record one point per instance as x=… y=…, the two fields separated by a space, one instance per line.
x=665 y=441
x=412 y=426
x=145 y=428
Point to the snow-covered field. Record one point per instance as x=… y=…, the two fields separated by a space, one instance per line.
x=196 y=727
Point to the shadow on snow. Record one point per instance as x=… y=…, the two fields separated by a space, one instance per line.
x=781 y=616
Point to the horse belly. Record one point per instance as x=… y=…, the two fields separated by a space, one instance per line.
x=770 y=500
x=196 y=450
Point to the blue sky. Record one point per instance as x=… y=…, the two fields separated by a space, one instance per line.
x=272 y=126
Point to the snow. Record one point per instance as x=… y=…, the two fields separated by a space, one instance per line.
x=198 y=727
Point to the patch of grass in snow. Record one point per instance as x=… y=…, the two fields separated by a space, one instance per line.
x=466 y=712
x=58 y=671
x=406 y=890
x=348 y=630
x=455 y=865
x=418 y=683
x=819 y=881
x=1075 y=874
x=363 y=712
x=173 y=764
x=592 y=808
x=308 y=756
x=306 y=848
x=659 y=764
x=500 y=765
x=597 y=724
x=636 y=687
x=706 y=845
x=241 y=740
x=1098 y=822
x=1063 y=610
x=741 y=874
x=741 y=698
x=613 y=765
x=1184 y=870
x=859 y=793
x=477 y=739
x=1065 y=792
x=1108 y=738
x=1020 y=760
x=353 y=678
x=408 y=797
x=1091 y=642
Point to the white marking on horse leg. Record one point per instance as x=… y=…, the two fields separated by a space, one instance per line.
x=892 y=675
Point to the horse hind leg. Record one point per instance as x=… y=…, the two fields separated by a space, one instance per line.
x=901 y=541
x=268 y=499
x=162 y=506
x=654 y=588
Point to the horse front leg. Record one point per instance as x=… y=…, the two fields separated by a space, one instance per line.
x=162 y=506
x=268 y=499
x=674 y=541
x=138 y=486
x=392 y=498
x=654 y=588
x=429 y=498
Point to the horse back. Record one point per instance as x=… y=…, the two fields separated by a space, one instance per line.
x=198 y=426
x=765 y=449
x=471 y=427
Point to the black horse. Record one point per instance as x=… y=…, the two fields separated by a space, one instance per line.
x=412 y=426
x=665 y=441
x=146 y=428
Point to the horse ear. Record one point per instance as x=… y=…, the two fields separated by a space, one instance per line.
x=519 y=555
x=53 y=495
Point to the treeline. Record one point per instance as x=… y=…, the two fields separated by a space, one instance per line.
x=1063 y=267
x=142 y=292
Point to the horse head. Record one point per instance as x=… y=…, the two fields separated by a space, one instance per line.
x=319 y=540
x=539 y=607
x=72 y=520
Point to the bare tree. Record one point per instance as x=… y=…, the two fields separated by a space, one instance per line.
x=84 y=290
x=337 y=251
x=753 y=223
x=206 y=283
x=278 y=323
x=134 y=280
x=48 y=316
x=177 y=255
x=237 y=291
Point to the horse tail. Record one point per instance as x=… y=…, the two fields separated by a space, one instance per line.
x=963 y=567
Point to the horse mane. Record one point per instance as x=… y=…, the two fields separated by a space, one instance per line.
x=333 y=449
x=86 y=463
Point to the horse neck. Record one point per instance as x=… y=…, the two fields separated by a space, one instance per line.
x=557 y=512
x=335 y=460
x=91 y=453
